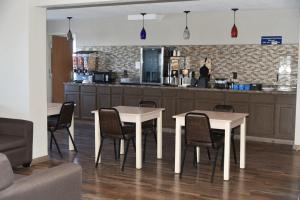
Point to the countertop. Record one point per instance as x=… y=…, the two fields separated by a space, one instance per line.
x=184 y=88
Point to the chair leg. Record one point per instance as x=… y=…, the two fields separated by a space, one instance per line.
x=51 y=142
x=99 y=152
x=119 y=152
x=208 y=153
x=125 y=156
x=58 y=149
x=195 y=157
x=233 y=148
x=144 y=148
x=72 y=140
x=214 y=166
x=155 y=137
x=115 y=150
x=182 y=162
x=133 y=144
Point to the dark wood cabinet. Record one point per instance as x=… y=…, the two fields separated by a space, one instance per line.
x=208 y=100
x=87 y=101
x=285 y=111
x=132 y=96
x=185 y=101
x=261 y=119
x=103 y=97
x=270 y=115
x=169 y=103
x=72 y=93
x=116 y=96
x=152 y=94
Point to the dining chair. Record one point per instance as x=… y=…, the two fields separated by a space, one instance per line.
x=148 y=127
x=226 y=108
x=111 y=128
x=198 y=134
x=62 y=121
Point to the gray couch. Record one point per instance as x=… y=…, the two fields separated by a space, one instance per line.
x=58 y=183
x=16 y=141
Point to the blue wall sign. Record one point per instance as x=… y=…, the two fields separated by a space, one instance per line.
x=269 y=40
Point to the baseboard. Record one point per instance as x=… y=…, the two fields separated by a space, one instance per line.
x=40 y=159
x=253 y=138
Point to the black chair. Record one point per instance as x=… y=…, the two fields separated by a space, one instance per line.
x=226 y=108
x=111 y=128
x=198 y=134
x=60 y=122
x=148 y=127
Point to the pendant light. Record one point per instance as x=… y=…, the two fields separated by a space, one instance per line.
x=186 y=32
x=234 y=30
x=143 y=34
x=69 y=34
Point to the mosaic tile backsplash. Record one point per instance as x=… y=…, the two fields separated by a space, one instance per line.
x=267 y=64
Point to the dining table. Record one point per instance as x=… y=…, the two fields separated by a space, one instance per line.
x=54 y=109
x=218 y=120
x=136 y=115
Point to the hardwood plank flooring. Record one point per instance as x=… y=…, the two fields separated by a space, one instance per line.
x=272 y=172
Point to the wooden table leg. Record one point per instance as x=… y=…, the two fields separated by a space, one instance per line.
x=159 y=136
x=97 y=136
x=243 y=144
x=227 y=152
x=177 y=147
x=138 y=143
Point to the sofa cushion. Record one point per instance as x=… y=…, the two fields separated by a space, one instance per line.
x=6 y=173
x=8 y=142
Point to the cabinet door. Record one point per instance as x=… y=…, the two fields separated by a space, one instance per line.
x=185 y=105
x=207 y=105
x=285 y=121
x=132 y=100
x=103 y=101
x=87 y=105
x=116 y=100
x=74 y=96
x=261 y=120
x=103 y=97
x=169 y=103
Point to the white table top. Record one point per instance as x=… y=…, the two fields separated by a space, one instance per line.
x=222 y=116
x=133 y=110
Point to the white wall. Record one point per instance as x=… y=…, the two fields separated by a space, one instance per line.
x=206 y=29
x=22 y=55
x=297 y=128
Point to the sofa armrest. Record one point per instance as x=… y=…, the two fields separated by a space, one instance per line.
x=16 y=127
x=60 y=183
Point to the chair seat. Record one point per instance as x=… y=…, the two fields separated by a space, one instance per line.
x=8 y=142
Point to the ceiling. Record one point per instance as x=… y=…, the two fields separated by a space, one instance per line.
x=170 y=8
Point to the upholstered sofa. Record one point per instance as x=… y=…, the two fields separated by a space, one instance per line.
x=62 y=182
x=16 y=141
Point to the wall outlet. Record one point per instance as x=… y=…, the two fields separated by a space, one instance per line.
x=137 y=65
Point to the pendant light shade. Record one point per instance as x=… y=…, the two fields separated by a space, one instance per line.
x=69 y=34
x=234 y=30
x=186 y=32
x=143 y=34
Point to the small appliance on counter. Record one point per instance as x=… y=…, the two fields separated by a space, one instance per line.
x=221 y=83
x=256 y=86
x=102 y=77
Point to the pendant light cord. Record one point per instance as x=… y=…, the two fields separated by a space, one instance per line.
x=186 y=18
x=143 y=14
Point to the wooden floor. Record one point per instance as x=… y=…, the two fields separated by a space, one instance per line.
x=272 y=172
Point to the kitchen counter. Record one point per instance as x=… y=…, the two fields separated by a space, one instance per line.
x=185 y=88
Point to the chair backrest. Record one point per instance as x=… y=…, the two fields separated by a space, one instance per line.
x=224 y=108
x=197 y=128
x=65 y=115
x=110 y=123
x=149 y=104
